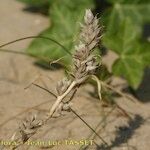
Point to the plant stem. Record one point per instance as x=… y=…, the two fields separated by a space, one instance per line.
x=60 y=98
x=90 y=127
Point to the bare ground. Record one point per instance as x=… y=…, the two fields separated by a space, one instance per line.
x=17 y=71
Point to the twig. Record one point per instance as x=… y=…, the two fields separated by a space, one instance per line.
x=92 y=136
x=45 y=89
x=36 y=78
x=38 y=37
x=90 y=127
x=60 y=98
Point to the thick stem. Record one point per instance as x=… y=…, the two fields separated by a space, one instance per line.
x=60 y=98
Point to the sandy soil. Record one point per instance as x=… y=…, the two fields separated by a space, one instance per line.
x=17 y=71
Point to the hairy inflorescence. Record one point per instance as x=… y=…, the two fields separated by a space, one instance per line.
x=85 y=62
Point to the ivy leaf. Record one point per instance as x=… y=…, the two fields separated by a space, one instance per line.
x=137 y=10
x=64 y=15
x=122 y=37
x=133 y=56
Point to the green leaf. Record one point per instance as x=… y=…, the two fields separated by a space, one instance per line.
x=64 y=15
x=138 y=11
x=122 y=37
x=133 y=56
x=129 y=70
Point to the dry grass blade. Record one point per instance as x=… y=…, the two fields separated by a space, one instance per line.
x=40 y=37
x=98 y=86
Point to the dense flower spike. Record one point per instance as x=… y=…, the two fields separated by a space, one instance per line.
x=90 y=32
x=27 y=128
x=85 y=62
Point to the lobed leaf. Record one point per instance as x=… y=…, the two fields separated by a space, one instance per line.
x=133 y=56
x=138 y=11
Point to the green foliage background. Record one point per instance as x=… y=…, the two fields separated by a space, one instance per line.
x=123 y=21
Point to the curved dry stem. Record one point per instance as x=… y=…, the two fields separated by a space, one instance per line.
x=37 y=37
x=98 y=129
x=90 y=127
x=15 y=52
x=45 y=59
x=36 y=78
x=95 y=78
x=45 y=89
x=58 y=61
